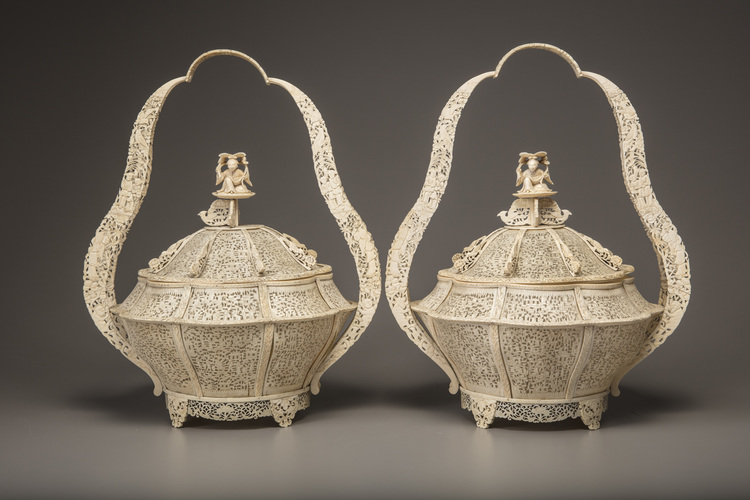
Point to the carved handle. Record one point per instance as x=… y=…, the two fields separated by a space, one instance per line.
x=360 y=241
x=101 y=260
x=670 y=251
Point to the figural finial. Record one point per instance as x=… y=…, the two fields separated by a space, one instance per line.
x=233 y=179
x=535 y=208
x=225 y=210
x=532 y=179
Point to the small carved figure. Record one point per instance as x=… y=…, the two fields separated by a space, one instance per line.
x=233 y=179
x=533 y=178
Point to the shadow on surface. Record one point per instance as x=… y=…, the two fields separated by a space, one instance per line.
x=636 y=404
x=633 y=407
x=133 y=404
x=136 y=404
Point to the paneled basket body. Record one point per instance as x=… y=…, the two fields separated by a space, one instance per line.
x=519 y=328
x=535 y=321
x=232 y=322
x=234 y=313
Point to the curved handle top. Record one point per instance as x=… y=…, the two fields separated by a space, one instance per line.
x=101 y=260
x=670 y=251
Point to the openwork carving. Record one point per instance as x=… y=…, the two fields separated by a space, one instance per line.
x=157 y=264
x=225 y=358
x=302 y=300
x=485 y=410
x=283 y=409
x=540 y=360
x=360 y=241
x=219 y=305
x=177 y=408
x=470 y=348
x=534 y=307
x=299 y=251
x=551 y=281
x=185 y=292
x=464 y=260
x=220 y=213
x=604 y=254
x=519 y=213
x=612 y=347
x=156 y=344
x=295 y=347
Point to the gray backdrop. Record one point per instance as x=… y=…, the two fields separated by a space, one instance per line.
x=79 y=421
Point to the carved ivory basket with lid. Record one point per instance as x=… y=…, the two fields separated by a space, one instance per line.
x=232 y=322
x=535 y=321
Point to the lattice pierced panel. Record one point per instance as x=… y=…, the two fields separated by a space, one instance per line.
x=225 y=358
x=223 y=304
x=491 y=261
x=437 y=295
x=331 y=292
x=230 y=258
x=158 y=303
x=470 y=348
x=540 y=360
x=613 y=347
x=295 y=301
x=276 y=259
x=540 y=306
x=539 y=258
x=468 y=302
x=612 y=304
x=180 y=265
x=154 y=342
x=295 y=347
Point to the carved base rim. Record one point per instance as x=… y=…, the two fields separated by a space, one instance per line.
x=282 y=407
x=486 y=408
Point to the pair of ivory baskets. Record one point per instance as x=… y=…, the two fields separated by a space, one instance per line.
x=534 y=322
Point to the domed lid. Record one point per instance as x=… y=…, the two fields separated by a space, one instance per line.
x=240 y=254
x=535 y=247
x=224 y=252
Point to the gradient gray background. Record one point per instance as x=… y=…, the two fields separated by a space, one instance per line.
x=79 y=421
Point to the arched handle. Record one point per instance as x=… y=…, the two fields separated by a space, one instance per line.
x=360 y=241
x=101 y=260
x=670 y=251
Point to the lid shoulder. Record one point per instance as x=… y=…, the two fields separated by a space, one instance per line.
x=239 y=254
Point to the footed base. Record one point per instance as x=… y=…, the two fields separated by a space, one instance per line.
x=282 y=407
x=485 y=408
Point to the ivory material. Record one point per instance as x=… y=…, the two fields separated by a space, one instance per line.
x=465 y=319
x=160 y=315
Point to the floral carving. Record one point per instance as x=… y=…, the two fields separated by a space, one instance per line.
x=166 y=256
x=519 y=213
x=504 y=265
x=674 y=265
x=101 y=259
x=308 y=258
x=464 y=260
x=604 y=254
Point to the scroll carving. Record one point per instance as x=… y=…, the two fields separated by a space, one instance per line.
x=412 y=228
x=101 y=260
x=360 y=241
x=673 y=260
x=100 y=264
x=672 y=257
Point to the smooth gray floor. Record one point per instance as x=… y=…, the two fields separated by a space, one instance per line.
x=79 y=421
x=406 y=440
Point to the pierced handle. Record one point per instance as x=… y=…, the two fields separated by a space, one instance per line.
x=361 y=244
x=674 y=266
x=670 y=251
x=100 y=263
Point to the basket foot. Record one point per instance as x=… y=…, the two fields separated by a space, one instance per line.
x=178 y=409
